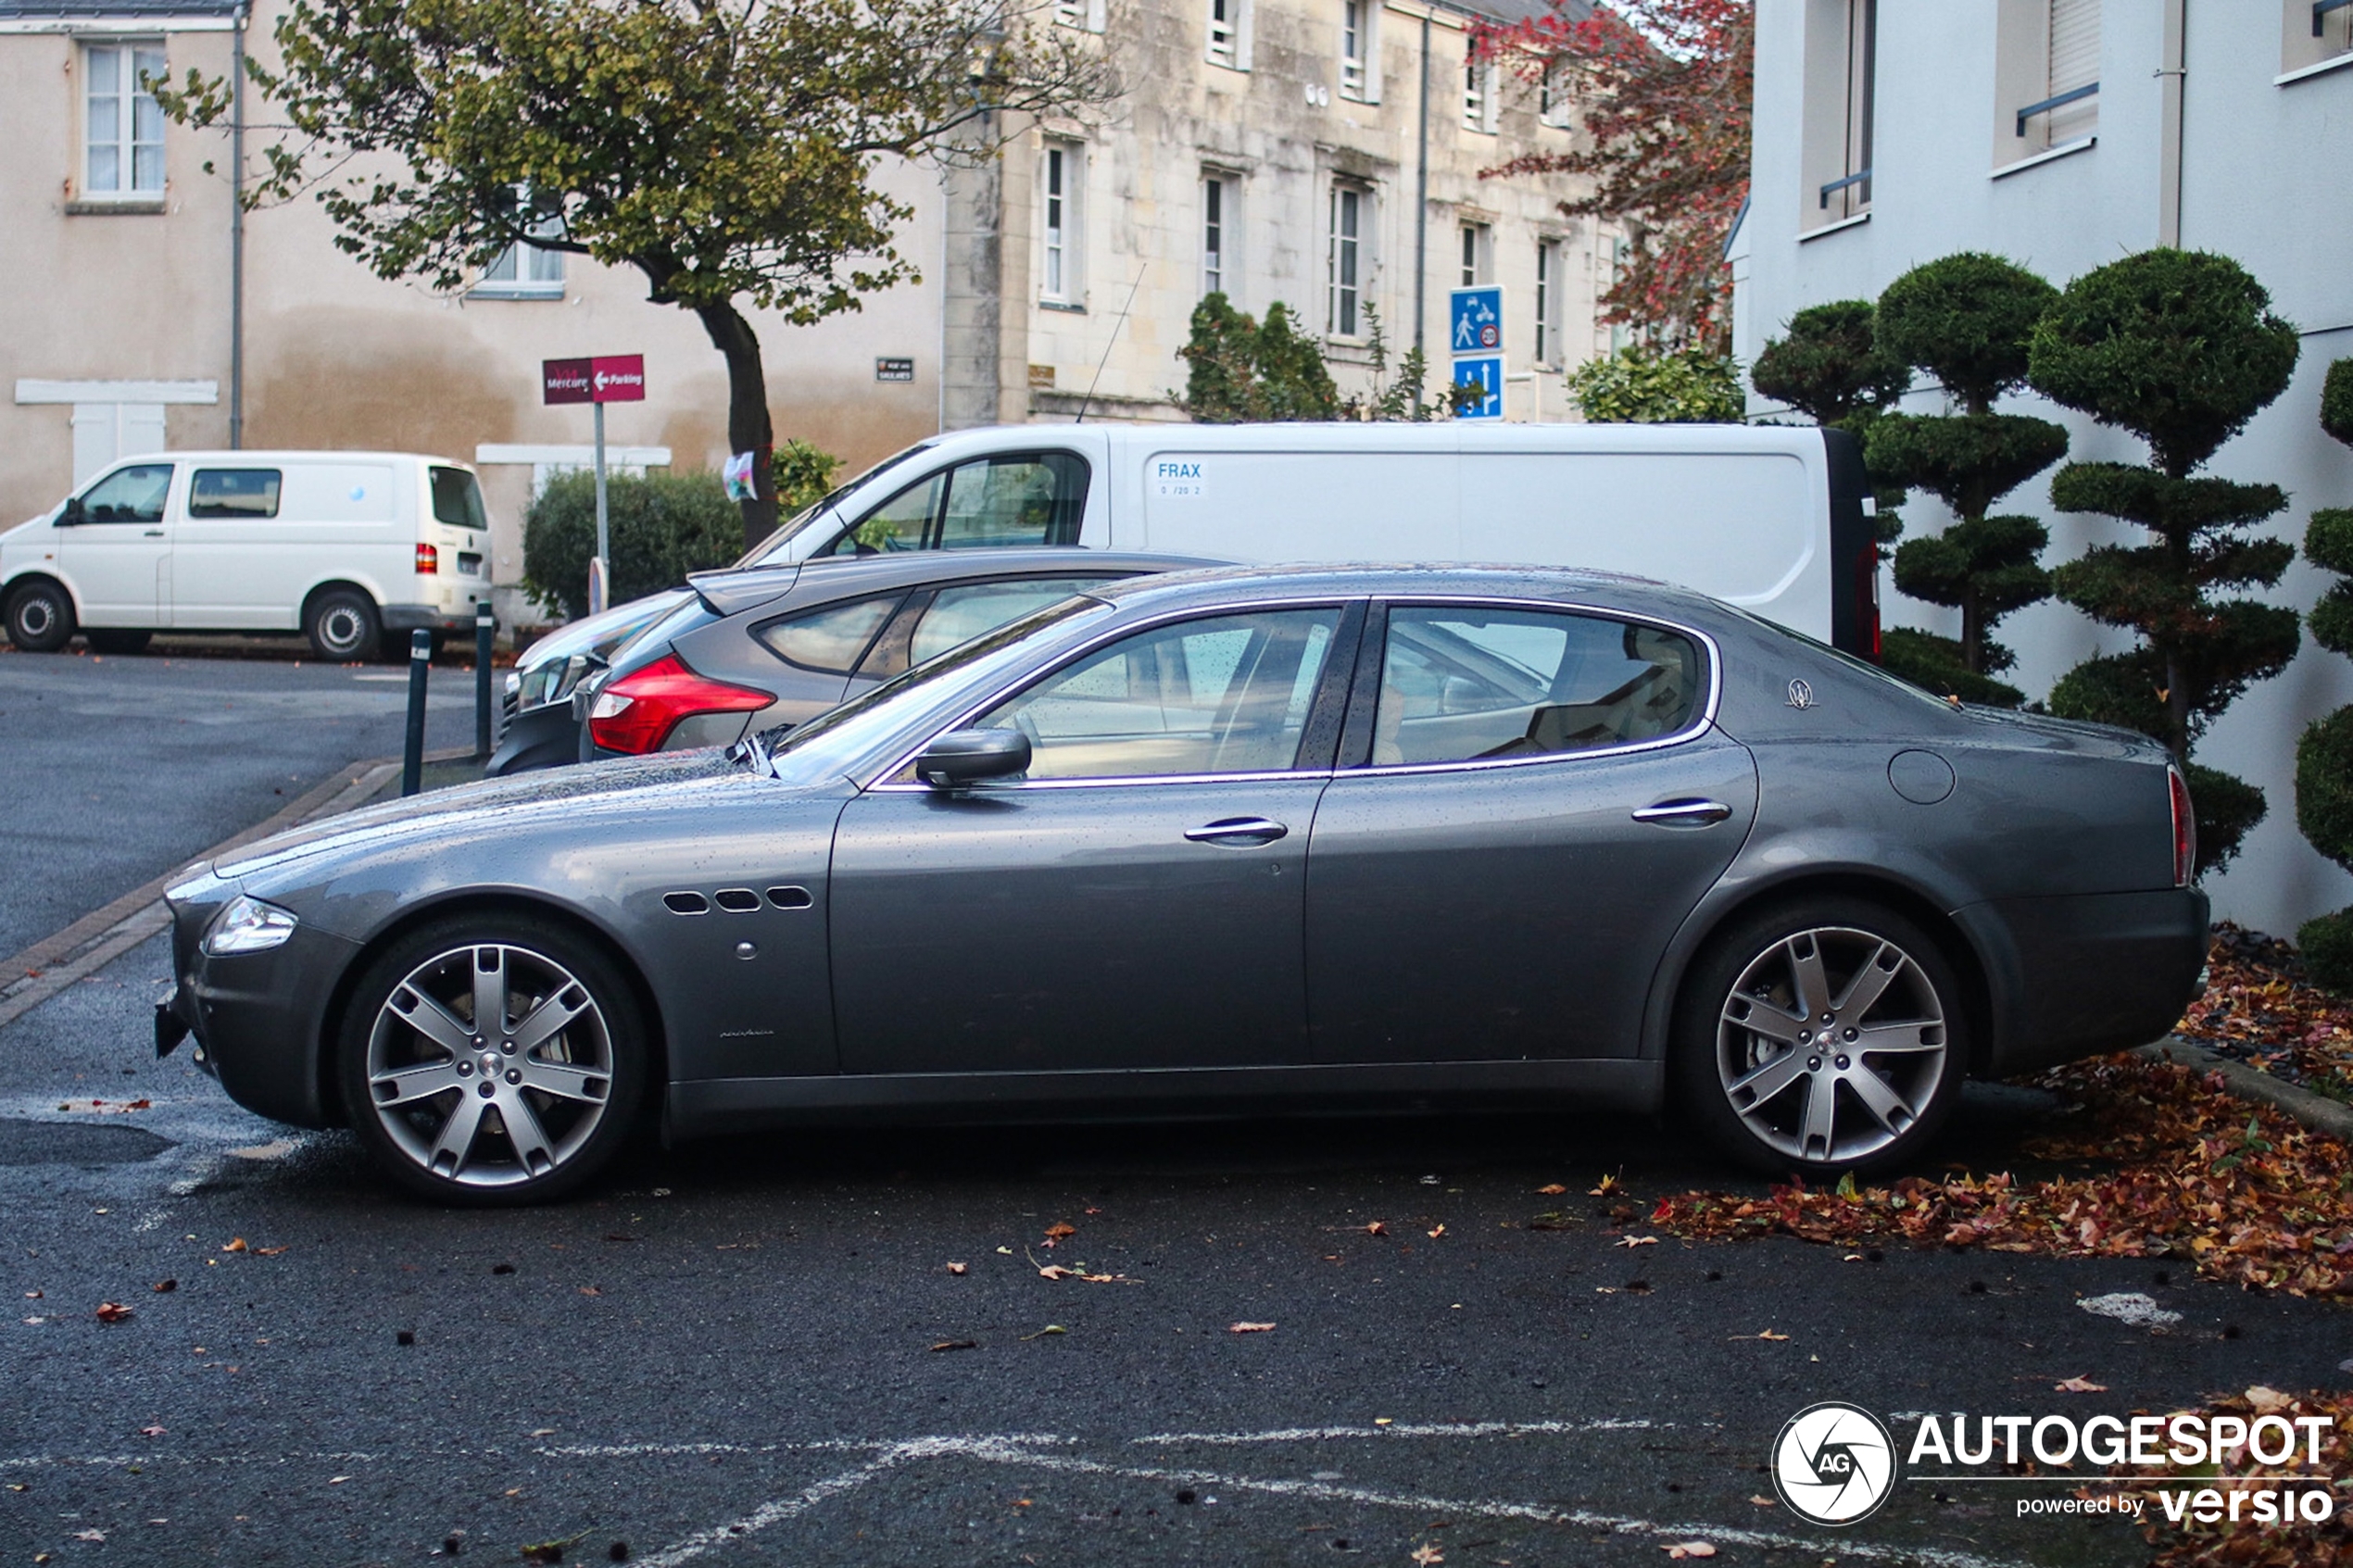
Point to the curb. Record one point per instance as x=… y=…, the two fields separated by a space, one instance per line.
x=2317 y=1112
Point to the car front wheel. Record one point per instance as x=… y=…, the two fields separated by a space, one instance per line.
x=40 y=617
x=493 y=1060
x=1823 y=1037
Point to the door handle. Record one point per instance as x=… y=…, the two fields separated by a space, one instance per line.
x=1239 y=832
x=154 y=533
x=1679 y=813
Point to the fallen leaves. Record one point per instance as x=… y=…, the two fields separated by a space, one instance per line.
x=1050 y=1328
x=2078 y=1385
x=2244 y=1543
x=1607 y=1187
x=1683 y=1550
x=236 y=1244
x=1427 y=1555
x=1434 y=1234
x=1635 y=1241
x=956 y=1268
x=2179 y=1169
x=1551 y=1189
x=1763 y=1334
x=166 y=1286
x=113 y=1311
x=1251 y=1328
x=957 y=1345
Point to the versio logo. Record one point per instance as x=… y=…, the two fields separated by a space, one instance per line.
x=1834 y=1464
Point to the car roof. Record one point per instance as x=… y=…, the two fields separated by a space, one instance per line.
x=1409 y=579
x=830 y=577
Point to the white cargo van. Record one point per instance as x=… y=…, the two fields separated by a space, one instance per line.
x=1773 y=519
x=342 y=546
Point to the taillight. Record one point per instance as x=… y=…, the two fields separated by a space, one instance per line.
x=637 y=713
x=2184 y=828
x=428 y=560
x=1867 y=600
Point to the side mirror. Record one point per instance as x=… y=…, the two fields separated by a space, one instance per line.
x=964 y=756
x=74 y=512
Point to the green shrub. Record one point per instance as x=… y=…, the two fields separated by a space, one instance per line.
x=2226 y=808
x=1640 y=384
x=1240 y=370
x=2324 y=753
x=661 y=527
x=2327 y=944
x=1966 y=319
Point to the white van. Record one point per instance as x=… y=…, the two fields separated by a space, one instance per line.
x=1773 y=519
x=342 y=546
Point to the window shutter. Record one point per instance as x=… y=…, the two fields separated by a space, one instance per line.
x=2075 y=44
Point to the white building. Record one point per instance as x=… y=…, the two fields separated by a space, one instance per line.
x=2064 y=134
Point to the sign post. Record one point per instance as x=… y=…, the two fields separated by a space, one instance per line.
x=606 y=378
x=1475 y=338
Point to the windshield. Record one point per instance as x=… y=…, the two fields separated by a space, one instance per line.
x=828 y=743
x=771 y=550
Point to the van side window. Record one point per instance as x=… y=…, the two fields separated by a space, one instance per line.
x=234 y=493
x=132 y=494
x=457 y=499
x=1459 y=685
x=1010 y=498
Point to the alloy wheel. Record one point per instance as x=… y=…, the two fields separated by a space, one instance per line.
x=1831 y=1044
x=490 y=1065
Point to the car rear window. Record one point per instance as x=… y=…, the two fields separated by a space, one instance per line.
x=457 y=499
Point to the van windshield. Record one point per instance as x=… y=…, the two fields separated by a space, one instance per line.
x=457 y=499
x=771 y=550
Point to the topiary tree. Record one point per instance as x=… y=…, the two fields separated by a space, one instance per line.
x=2325 y=755
x=1966 y=319
x=1640 y=384
x=2181 y=348
x=1831 y=368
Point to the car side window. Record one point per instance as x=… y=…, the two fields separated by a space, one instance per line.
x=132 y=494
x=1229 y=694
x=1460 y=685
x=1011 y=498
x=234 y=493
x=828 y=641
x=958 y=614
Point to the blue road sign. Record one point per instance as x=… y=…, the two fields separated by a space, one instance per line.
x=1486 y=374
x=1475 y=321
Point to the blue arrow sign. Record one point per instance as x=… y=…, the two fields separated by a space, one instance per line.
x=1475 y=321
x=1487 y=374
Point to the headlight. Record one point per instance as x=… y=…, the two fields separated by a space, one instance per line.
x=248 y=925
x=514 y=684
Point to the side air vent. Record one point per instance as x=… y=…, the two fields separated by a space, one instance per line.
x=739 y=900
x=686 y=903
x=788 y=898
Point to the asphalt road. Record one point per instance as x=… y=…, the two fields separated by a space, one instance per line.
x=724 y=1354
x=119 y=769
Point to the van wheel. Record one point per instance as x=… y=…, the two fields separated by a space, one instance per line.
x=40 y=617
x=342 y=626
x=116 y=639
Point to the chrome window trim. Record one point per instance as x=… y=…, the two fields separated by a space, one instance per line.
x=1703 y=722
x=1111 y=634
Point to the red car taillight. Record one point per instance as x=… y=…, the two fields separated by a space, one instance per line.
x=637 y=713
x=2184 y=828
x=428 y=560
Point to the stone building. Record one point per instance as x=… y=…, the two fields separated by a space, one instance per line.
x=1325 y=153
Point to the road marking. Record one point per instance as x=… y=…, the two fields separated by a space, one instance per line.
x=776 y=1513
x=1434 y=1429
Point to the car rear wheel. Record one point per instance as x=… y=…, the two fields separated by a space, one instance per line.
x=493 y=1059
x=116 y=639
x=1821 y=1037
x=40 y=617
x=342 y=626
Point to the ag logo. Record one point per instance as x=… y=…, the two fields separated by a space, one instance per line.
x=1801 y=696
x=1834 y=1464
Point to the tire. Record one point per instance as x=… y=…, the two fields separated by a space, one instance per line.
x=440 y=1113
x=116 y=639
x=1795 y=1095
x=40 y=617
x=343 y=626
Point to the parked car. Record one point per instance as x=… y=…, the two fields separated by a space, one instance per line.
x=1279 y=839
x=1774 y=520
x=536 y=726
x=753 y=651
x=341 y=546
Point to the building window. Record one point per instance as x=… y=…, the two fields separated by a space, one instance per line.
x=1345 y=259
x=1479 y=92
x=1059 y=189
x=1479 y=254
x=1548 y=302
x=1551 y=99
x=1621 y=255
x=2314 y=32
x=2070 y=107
x=1225 y=33
x=2046 y=73
x=525 y=271
x=122 y=126
x=1356 y=49
x=1842 y=69
x=1220 y=231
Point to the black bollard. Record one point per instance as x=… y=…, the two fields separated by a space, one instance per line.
x=412 y=750
x=485 y=628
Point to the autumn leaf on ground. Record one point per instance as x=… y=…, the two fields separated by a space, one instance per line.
x=1251 y=1328
x=590 y=1290
x=269 y=1251
x=957 y=1345
x=1608 y=1188
x=151 y=1431
x=1683 y=1550
x=236 y=1244
x=1439 y=1232
x=95 y=1538
x=1763 y=1502
x=1551 y=1189
x=2079 y=1386
x=1766 y=1334
x=955 y=1268
x=1635 y=1241
x=1050 y=1328
x=1377 y=1228
x=1057 y=1232
x=112 y=1311
x=1426 y=1555
x=2267 y=1401
x=163 y=1286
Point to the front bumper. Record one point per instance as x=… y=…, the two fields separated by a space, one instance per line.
x=2077 y=975
x=546 y=737
x=259 y=1019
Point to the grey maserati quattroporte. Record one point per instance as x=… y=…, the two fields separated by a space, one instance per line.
x=1299 y=837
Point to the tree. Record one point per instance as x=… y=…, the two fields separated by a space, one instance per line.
x=1640 y=384
x=2324 y=754
x=2181 y=349
x=1243 y=372
x=727 y=153
x=1966 y=319
x=1663 y=89
x=1831 y=368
